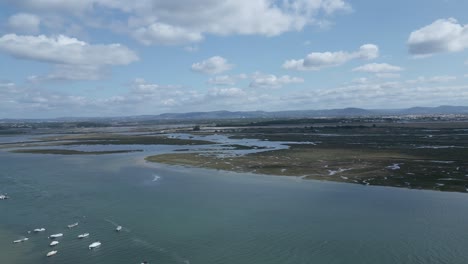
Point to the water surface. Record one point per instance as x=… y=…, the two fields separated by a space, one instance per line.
x=187 y=215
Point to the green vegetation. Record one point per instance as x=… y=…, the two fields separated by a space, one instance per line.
x=370 y=167
x=424 y=156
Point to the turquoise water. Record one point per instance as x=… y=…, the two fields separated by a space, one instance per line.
x=187 y=215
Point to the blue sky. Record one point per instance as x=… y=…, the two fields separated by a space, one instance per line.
x=117 y=57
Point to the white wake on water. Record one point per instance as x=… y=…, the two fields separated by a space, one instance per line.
x=156 y=177
x=116 y=225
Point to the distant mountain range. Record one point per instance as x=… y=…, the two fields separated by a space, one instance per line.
x=343 y=112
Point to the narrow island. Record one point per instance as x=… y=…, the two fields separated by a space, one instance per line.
x=427 y=155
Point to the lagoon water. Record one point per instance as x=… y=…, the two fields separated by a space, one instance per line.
x=185 y=215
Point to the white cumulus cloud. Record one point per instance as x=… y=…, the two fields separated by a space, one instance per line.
x=273 y=81
x=213 y=65
x=443 y=35
x=72 y=59
x=187 y=21
x=378 y=68
x=165 y=34
x=65 y=50
x=24 y=22
x=319 y=60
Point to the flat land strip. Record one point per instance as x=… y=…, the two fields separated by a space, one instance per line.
x=423 y=156
x=430 y=155
x=70 y=151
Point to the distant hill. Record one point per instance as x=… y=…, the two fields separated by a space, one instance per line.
x=213 y=115
x=263 y=114
x=443 y=109
x=343 y=112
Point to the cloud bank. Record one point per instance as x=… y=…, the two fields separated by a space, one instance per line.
x=187 y=21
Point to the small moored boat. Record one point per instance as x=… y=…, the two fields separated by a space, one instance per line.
x=94 y=245
x=53 y=243
x=73 y=225
x=83 y=235
x=37 y=230
x=21 y=240
x=118 y=228
x=4 y=196
x=51 y=253
x=56 y=236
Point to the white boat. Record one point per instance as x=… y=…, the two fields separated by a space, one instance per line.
x=94 y=245
x=51 y=253
x=21 y=240
x=37 y=230
x=73 y=225
x=53 y=243
x=56 y=236
x=118 y=228
x=4 y=196
x=83 y=235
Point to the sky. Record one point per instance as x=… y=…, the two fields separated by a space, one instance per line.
x=119 y=58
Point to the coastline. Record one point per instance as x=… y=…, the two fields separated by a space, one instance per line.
x=401 y=156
